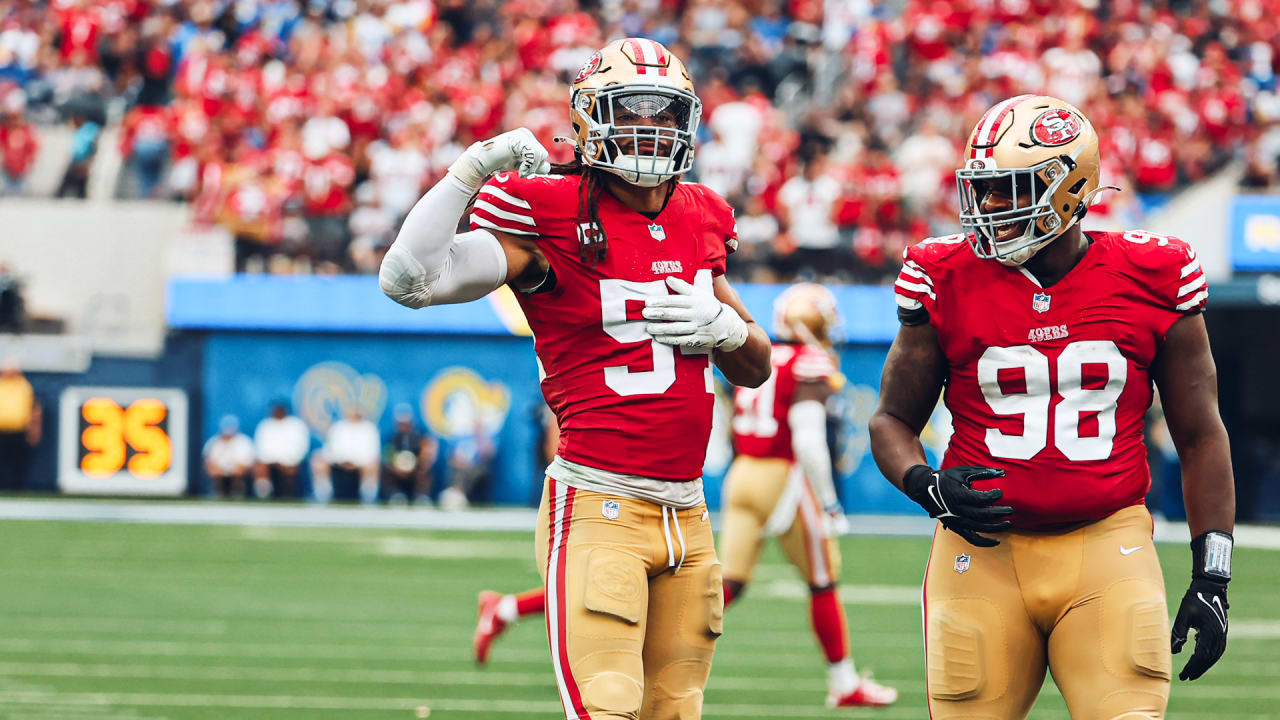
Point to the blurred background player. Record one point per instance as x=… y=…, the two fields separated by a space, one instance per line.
x=618 y=265
x=781 y=484
x=1047 y=340
x=281 y=442
x=408 y=456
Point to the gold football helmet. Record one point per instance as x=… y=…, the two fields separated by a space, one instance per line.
x=806 y=313
x=1043 y=153
x=634 y=112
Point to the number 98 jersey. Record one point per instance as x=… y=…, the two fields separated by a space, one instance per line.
x=1052 y=384
x=624 y=402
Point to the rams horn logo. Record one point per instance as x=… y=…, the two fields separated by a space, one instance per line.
x=1055 y=127
x=328 y=391
x=457 y=402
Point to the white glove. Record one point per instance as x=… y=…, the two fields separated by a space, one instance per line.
x=837 y=521
x=515 y=150
x=693 y=318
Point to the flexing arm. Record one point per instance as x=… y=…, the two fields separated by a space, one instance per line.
x=430 y=264
x=913 y=376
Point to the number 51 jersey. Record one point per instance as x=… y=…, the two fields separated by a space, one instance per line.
x=624 y=402
x=1052 y=384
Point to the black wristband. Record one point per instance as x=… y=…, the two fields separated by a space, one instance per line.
x=915 y=480
x=1211 y=555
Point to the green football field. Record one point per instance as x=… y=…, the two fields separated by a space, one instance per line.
x=119 y=621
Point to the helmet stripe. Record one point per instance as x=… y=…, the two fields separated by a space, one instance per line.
x=640 y=62
x=990 y=125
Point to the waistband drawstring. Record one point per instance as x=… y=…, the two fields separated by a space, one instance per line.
x=666 y=535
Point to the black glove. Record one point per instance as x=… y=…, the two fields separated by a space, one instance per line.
x=948 y=496
x=1204 y=607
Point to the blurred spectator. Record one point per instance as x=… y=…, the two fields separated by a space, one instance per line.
x=469 y=461
x=11 y=305
x=807 y=208
x=18 y=142
x=350 y=459
x=373 y=229
x=20 y=426
x=145 y=147
x=281 y=442
x=84 y=145
x=228 y=459
x=408 y=458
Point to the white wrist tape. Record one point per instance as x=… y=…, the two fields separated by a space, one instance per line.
x=808 y=421
x=431 y=265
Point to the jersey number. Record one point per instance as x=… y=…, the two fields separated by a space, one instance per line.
x=614 y=295
x=753 y=415
x=1033 y=405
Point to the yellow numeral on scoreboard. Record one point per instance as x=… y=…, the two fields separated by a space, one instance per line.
x=111 y=427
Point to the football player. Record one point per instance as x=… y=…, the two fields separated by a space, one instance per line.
x=780 y=481
x=619 y=269
x=1047 y=340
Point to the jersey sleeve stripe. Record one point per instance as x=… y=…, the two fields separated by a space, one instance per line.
x=1193 y=285
x=916 y=272
x=477 y=219
x=1190 y=267
x=915 y=287
x=504 y=196
x=908 y=303
x=1194 y=301
x=498 y=212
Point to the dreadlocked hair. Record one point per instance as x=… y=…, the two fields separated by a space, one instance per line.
x=593 y=244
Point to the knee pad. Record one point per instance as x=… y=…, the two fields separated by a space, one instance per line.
x=1132 y=704
x=616 y=585
x=1135 y=631
x=961 y=636
x=613 y=693
x=676 y=690
x=713 y=596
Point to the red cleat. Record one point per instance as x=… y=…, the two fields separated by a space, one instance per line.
x=869 y=693
x=488 y=625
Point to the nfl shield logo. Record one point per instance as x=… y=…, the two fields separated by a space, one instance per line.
x=611 y=509
x=1040 y=302
x=962 y=563
x=657 y=232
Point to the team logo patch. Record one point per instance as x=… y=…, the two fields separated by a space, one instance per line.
x=592 y=65
x=657 y=232
x=661 y=267
x=1055 y=127
x=962 y=563
x=1040 y=302
x=611 y=509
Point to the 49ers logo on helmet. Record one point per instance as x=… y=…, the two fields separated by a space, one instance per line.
x=1055 y=127
x=592 y=64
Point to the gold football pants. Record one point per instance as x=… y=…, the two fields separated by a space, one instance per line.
x=1089 y=604
x=766 y=496
x=634 y=604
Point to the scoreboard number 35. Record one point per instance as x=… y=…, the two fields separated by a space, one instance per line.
x=117 y=440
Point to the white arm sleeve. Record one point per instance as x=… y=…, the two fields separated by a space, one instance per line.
x=808 y=420
x=429 y=265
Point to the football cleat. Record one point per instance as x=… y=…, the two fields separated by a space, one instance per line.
x=488 y=625
x=869 y=693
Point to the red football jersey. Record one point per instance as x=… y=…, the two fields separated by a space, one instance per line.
x=1051 y=384
x=760 y=427
x=624 y=402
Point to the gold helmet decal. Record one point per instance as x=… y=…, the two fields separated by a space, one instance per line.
x=634 y=112
x=1042 y=154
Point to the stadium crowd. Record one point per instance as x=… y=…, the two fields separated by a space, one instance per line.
x=309 y=129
